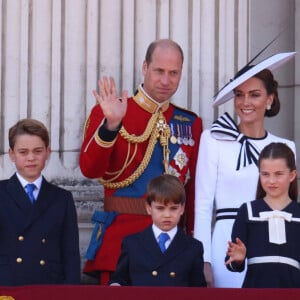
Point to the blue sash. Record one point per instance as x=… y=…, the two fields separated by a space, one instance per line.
x=155 y=167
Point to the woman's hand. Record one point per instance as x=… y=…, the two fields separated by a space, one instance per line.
x=208 y=275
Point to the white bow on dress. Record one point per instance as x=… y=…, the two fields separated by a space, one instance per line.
x=276 y=221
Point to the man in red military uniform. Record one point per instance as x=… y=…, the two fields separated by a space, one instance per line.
x=128 y=141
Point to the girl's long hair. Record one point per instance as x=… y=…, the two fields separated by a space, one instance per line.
x=281 y=151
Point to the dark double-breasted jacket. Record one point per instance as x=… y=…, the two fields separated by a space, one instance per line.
x=142 y=263
x=39 y=242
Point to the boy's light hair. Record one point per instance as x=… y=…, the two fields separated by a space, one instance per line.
x=28 y=126
x=166 y=189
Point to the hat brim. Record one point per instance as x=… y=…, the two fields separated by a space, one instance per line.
x=270 y=63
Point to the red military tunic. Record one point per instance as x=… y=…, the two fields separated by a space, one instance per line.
x=136 y=154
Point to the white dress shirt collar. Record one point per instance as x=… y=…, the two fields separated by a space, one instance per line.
x=171 y=233
x=37 y=182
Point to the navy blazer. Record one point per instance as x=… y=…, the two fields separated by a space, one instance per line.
x=39 y=242
x=142 y=263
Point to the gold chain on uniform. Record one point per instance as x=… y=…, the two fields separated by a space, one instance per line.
x=157 y=128
x=132 y=138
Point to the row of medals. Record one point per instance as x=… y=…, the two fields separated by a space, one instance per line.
x=181 y=134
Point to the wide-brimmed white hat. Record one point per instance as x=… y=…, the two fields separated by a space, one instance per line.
x=271 y=63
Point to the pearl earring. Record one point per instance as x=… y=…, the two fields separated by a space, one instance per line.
x=269 y=107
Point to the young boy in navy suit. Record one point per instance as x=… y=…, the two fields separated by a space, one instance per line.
x=39 y=241
x=179 y=261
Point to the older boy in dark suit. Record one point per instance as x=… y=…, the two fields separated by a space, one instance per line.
x=161 y=255
x=38 y=223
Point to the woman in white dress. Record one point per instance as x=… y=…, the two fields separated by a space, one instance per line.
x=227 y=172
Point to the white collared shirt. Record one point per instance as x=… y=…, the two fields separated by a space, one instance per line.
x=171 y=234
x=37 y=182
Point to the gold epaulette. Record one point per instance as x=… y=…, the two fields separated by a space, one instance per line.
x=187 y=111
